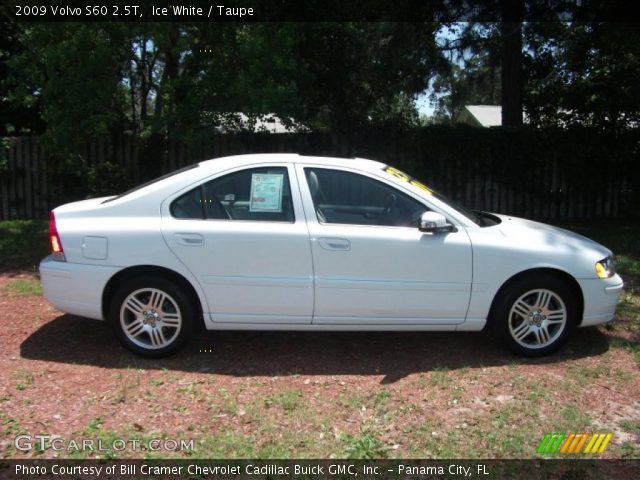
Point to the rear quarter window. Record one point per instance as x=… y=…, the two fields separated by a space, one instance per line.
x=151 y=182
x=255 y=194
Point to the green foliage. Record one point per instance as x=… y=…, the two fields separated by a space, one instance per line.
x=575 y=72
x=105 y=179
x=181 y=80
x=4 y=168
x=71 y=71
x=23 y=243
x=348 y=72
x=583 y=73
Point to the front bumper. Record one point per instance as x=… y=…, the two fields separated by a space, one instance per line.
x=600 y=299
x=74 y=287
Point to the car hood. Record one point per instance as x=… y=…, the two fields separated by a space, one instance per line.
x=520 y=229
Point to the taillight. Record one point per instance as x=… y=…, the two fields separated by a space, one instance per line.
x=56 y=245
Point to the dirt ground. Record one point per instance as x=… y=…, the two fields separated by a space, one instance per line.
x=253 y=394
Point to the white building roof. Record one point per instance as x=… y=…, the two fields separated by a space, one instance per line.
x=485 y=115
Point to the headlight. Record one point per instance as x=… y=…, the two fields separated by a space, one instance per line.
x=605 y=268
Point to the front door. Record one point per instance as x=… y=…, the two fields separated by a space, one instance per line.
x=372 y=265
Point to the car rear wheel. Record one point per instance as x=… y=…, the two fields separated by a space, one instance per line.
x=151 y=316
x=535 y=315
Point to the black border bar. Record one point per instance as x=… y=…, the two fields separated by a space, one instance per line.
x=314 y=10
x=123 y=469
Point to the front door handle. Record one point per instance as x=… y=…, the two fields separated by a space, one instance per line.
x=334 y=243
x=189 y=239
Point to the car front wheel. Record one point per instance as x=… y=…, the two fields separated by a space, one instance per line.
x=151 y=316
x=536 y=315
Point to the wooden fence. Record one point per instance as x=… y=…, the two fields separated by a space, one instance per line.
x=544 y=176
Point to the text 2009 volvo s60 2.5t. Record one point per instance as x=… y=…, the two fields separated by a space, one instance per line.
x=290 y=242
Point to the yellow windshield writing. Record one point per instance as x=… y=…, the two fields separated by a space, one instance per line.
x=406 y=178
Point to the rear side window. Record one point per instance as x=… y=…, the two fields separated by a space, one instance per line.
x=255 y=194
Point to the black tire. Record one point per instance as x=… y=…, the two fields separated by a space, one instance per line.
x=537 y=331
x=162 y=324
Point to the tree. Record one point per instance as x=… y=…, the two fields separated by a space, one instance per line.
x=183 y=79
x=348 y=72
x=72 y=72
x=511 y=66
x=15 y=117
x=573 y=72
x=469 y=72
x=583 y=73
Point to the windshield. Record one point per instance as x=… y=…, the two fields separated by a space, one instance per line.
x=479 y=218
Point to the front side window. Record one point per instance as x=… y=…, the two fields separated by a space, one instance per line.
x=350 y=198
x=261 y=194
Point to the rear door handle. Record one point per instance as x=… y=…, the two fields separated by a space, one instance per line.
x=189 y=239
x=334 y=243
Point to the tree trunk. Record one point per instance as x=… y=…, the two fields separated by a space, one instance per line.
x=511 y=78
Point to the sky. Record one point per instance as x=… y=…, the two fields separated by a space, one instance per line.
x=443 y=35
x=423 y=105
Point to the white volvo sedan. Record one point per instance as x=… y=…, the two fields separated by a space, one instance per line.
x=290 y=242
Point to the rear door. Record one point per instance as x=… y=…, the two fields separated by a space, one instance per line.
x=243 y=236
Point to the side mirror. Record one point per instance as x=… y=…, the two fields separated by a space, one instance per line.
x=433 y=222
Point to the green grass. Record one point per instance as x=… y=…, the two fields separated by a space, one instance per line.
x=24 y=287
x=364 y=446
x=631 y=426
x=23 y=243
x=227 y=403
x=573 y=419
x=9 y=426
x=585 y=374
x=289 y=400
x=126 y=386
x=23 y=378
x=440 y=377
x=380 y=398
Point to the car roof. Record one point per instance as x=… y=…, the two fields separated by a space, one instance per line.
x=251 y=159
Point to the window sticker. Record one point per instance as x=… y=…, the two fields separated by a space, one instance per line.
x=407 y=178
x=266 y=192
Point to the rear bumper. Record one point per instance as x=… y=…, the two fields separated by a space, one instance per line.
x=600 y=299
x=75 y=288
